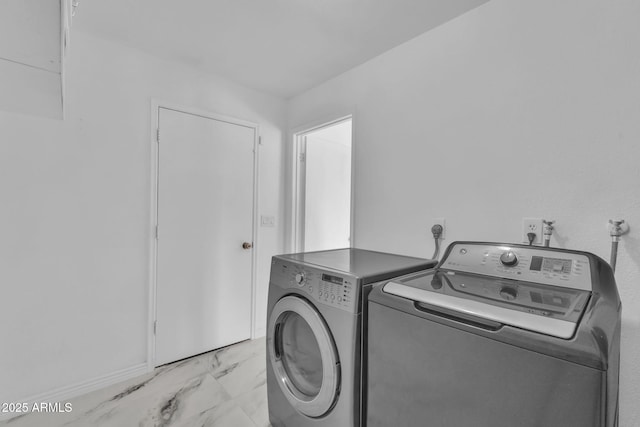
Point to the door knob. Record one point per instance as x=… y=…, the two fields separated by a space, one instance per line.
x=247 y=245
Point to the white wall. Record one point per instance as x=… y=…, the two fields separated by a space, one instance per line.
x=516 y=109
x=31 y=60
x=75 y=229
x=327 y=212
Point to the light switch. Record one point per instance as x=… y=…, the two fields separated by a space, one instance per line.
x=268 y=221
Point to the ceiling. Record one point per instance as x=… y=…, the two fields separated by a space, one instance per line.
x=282 y=47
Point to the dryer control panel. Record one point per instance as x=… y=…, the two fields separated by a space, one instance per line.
x=327 y=287
x=526 y=263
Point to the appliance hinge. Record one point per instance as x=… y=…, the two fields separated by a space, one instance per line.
x=260 y=140
x=157 y=231
x=158 y=135
x=303 y=157
x=155 y=326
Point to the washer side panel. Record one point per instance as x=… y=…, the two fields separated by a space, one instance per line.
x=422 y=370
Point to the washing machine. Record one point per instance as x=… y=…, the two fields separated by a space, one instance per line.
x=316 y=325
x=498 y=335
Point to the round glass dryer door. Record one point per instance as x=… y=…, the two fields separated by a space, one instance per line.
x=303 y=356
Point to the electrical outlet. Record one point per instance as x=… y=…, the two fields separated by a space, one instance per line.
x=532 y=225
x=440 y=221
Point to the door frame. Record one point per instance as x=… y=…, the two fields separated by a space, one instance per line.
x=298 y=134
x=156 y=105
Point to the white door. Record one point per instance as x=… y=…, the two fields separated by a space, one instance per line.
x=205 y=215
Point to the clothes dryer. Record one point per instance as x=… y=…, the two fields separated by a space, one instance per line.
x=316 y=329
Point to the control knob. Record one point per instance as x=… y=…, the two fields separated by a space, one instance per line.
x=300 y=279
x=508 y=293
x=508 y=258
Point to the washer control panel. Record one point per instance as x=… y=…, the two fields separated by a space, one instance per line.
x=335 y=289
x=527 y=263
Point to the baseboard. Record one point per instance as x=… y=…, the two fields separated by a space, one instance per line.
x=78 y=389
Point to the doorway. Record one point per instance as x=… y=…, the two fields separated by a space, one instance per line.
x=205 y=213
x=323 y=181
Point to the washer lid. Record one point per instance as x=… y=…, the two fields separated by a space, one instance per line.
x=546 y=309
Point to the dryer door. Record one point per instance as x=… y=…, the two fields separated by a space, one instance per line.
x=303 y=355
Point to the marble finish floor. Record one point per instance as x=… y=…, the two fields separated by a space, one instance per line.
x=222 y=388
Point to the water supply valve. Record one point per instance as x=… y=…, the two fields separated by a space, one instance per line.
x=617 y=228
x=547 y=231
